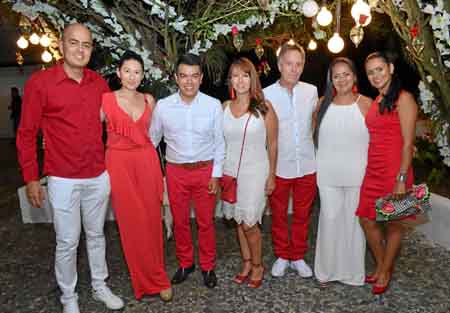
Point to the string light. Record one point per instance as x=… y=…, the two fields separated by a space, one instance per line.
x=34 y=39
x=45 y=41
x=312 y=45
x=46 y=56
x=324 y=18
x=22 y=43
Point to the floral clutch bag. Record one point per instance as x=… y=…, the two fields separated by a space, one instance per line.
x=415 y=202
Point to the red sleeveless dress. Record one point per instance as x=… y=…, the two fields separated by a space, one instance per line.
x=136 y=193
x=383 y=159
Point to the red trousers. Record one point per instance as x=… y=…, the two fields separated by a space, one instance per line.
x=183 y=186
x=303 y=193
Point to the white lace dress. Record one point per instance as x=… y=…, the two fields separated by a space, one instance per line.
x=254 y=170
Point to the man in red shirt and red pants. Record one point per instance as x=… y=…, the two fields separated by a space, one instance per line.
x=64 y=102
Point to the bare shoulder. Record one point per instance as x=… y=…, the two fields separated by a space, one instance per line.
x=406 y=101
x=365 y=102
x=150 y=100
x=225 y=104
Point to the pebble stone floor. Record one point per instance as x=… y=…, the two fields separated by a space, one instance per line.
x=421 y=282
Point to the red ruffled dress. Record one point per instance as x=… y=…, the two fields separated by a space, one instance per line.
x=136 y=193
x=383 y=160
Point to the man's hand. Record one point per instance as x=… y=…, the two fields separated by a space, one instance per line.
x=35 y=193
x=270 y=185
x=213 y=185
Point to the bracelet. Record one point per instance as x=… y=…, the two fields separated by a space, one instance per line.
x=401 y=177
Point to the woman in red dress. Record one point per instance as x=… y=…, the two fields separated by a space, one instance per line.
x=391 y=123
x=136 y=179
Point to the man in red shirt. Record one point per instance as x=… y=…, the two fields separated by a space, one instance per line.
x=64 y=102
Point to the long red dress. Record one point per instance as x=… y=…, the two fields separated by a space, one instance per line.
x=383 y=159
x=136 y=193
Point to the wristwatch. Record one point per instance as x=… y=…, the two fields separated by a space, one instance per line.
x=401 y=177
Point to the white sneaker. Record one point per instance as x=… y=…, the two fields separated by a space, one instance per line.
x=302 y=268
x=106 y=296
x=279 y=267
x=71 y=306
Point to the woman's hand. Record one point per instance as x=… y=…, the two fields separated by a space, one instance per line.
x=399 y=190
x=270 y=184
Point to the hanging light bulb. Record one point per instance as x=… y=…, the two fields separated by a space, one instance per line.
x=361 y=13
x=46 y=56
x=310 y=8
x=324 y=18
x=45 y=41
x=22 y=43
x=336 y=43
x=312 y=45
x=291 y=42
x=34 y=39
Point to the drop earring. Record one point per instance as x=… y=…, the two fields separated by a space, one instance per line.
x=355 y=89
x=232 y=94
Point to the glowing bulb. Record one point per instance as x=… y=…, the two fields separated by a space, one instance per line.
x=34 y=39
x=312 y=45
x=310 y=8
x=324 y=18
x=46 y=56
x=336 y=43
x=22 y=43
x=291 y=42
x=45 y=41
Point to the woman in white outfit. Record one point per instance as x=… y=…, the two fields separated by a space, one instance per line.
x=341 y=139
x=256 y=177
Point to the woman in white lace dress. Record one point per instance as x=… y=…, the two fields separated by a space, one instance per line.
x=256 y=177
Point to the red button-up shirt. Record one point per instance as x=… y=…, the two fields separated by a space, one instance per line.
x=68 y=113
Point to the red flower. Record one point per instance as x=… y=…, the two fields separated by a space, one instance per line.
x=388 y=208
x=234 y=30
x=414 y=31
x=258 y=41
x=420 y=192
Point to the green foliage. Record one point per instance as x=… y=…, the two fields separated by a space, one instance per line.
x=428 y=163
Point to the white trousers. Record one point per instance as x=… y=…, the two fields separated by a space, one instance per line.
x=76 y=201
x=340 y=245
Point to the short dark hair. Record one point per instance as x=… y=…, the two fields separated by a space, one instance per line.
x=130 y=55
x=189 y=59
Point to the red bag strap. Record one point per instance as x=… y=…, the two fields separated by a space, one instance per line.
x=243 y=141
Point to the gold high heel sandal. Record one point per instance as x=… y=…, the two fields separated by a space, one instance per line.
x=166 y=295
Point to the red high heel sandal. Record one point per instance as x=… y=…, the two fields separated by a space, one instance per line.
x=256 y=283
x=370 y=279
x=240 y=279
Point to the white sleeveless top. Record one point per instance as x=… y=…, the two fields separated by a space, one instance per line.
x=251 y=197
x=342 y=147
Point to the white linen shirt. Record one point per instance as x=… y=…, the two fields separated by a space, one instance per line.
x=193 y=132
x=296 y=155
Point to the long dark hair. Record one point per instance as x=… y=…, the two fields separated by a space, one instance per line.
x=390 y=98
x=329 y=93
x=257 y=102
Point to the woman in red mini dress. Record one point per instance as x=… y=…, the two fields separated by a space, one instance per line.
x=136 y=179
x=391 y=123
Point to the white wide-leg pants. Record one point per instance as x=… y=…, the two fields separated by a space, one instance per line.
x=77 y=201
x=341 y=245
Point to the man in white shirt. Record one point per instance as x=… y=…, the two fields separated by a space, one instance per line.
x=191 y=123
x=294 y=102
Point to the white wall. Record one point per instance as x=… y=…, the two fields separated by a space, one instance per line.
x=11 y=77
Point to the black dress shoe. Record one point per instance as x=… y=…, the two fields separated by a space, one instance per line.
x=209 y=278
x=182 y=274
